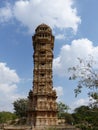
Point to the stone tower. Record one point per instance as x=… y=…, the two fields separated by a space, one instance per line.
x=42 y=106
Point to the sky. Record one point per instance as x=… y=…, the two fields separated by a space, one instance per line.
x=74 y=24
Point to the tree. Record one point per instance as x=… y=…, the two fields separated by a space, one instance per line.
x=62 y=108
x=68 y=118
x=86 y=74
x=6 y=116
x=20 y=107
x=86 y=118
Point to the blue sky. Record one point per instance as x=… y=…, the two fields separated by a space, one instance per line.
x=75 y=27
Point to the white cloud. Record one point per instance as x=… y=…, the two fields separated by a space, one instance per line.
x=59 y=91
x=31 y=13
x=7 y=75
x=69 y=54
x=5 y=13
x=8 y=87
x=81 y=102
x=60 y=36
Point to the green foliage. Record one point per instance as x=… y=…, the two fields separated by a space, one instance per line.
x=6 y=116
x=62 y=108
x=86 y=75
x=68 y=118
x=86 y=118
x=20 y=107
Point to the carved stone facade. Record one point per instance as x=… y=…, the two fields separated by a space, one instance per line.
x=42 y=106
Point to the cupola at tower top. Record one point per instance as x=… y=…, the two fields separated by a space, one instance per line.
x=43 y=28
x=43 y=35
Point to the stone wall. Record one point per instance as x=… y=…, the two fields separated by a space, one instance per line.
x=49 y=128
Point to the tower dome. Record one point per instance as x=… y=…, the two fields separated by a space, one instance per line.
x=43 y=28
